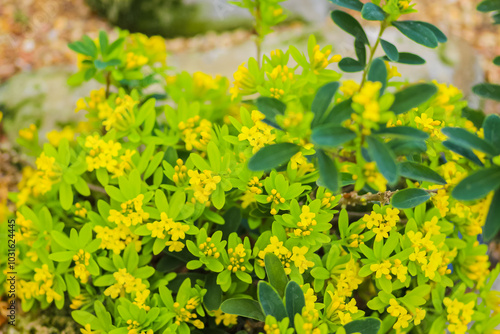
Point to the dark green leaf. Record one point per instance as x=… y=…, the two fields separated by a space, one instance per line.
x=360 y=49
x=329 y=176
x=491 y=126
x=478 y=184
x=378 y=72
x=409 y=198
x=416 y=171
x=403 y=131
x=475 y=116
x=232 y=221
x=340 y=112
x=276 y=273
x=440 y=36
x=384 y=157
x=322 y=100
x=372 y=12
x=272 y=156
x=351 y=65
x=492 y=224
x=363 y=326
x=213 y=297
x=488 y=6
x=412 y=97
x=390 y=50
x=466 y=139
x=331 y=135
x=243 y=307
x=351 y=4
x=408 y=58
x=488 y=91
x=295 y=301
x=496 y=61
x=417 y=32
x=406 y=146
x=350 y=25
x=270 y=107
x=467 y=153
x=270 y=301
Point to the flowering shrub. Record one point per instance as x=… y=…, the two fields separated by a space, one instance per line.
x=321 y=206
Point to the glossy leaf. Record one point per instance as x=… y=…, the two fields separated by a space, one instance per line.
x=270 y=301
x=270 y=107
x=350 y=25
x=272 y=156
x=440 y=36
x=465 y=152
x=322 y=101
x=492 y=224
x=360 y=49
x=403 y=131
x=390 y=50
x=403 y=146
x=378 y=72
x=331 y=135
x=419 y=172
x=372 y=12
x=329 y=176
x=409 y=198
x=363 y=326
x=417 y=32
x=412 y=97
x=243 y=307
x=488 y=91
x=488 y=6
x=295 y=300
x=351 y=4
x=351 y=65
x=276 y=273
x=408 y=58
x=478 y=184
x=491 y=126
x=466 y=139
x=384 y=157
x=340 y=112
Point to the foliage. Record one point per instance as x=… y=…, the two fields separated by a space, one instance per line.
x=319 y=207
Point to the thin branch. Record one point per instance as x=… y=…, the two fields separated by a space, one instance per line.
x=97 y=188
x=353 y=198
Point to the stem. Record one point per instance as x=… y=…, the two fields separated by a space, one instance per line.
x=108 y=83
x=372 y=52
x=353 y=198
x=97 y=188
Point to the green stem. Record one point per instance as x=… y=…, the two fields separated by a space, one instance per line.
x=372 y=53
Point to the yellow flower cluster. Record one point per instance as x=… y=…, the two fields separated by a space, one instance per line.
x=122 y=116
x=374 y=177
x=209 y=248
x=345 y=278
x=236 y=258
x=430 y=126
x=167 y=225
x=28 y=133
x=196 y=133
x=116 y=239
x=254 y=187
x=134 y=327
x=131 y=213
x=275 y=198
x=126 y=283
x=382 y=225
x=180 y=175
x=26 y=232
x=459 y=315
x=426 y=253
x=133 y=60
x=42 y=285
x=49 y=173
x=55 y=137
x=300 y=163
x=307 y=222
x=244 y=82
x=327 y=200
x=404 y=318
x=227 y=319
x=476 y=268
x=107 y=155
x=299 y=259
x=386 y=268
x=203 y=184
x=367 y=97
x=340 y=310
x=444 y=95
x=258 y=135
x=80 y=210
x=81 y=262
x=279 y=250
x=185 y=314
x=153 y=48
x=97 y=97
x=320 y=59
x=349 y=88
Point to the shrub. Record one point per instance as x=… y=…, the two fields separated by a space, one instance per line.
x=290 y=202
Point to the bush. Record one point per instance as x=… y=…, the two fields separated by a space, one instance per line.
x=292 y=202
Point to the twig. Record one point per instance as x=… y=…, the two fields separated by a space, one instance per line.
x=97 y=188
x=353 y=198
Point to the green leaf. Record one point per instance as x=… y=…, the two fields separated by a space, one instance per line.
x=372 y=12
x=360 y=49
x=350 y=25
x=492 y=224
x=488 y=6
x=351 y=65
x=103 y=41
x=412 y=97
x=496 y=61
x=272 y=156
x=488 y=91
x=295 y=300
x=409 y=198
x=340 y=112
x=65 y=195
x=440 y=36
x=331 y=135
x=403 y=131
x=243 y=307
x=478 y=184
x=276 y=273
x=270 y=107
x=322 y=100
x=384 y=157
x=463 y=152
x=390 y=50
x=80 y=47
x=419 y=172
x=213 y=297
x=351 y=4
x=417 y=32
x=363 y=326
x=270 y=301
x=491 y=126
x=466 y=139
x=378 y=72
x=408 y=58
x=329 y=176
x=62 y=239
x=61 y=256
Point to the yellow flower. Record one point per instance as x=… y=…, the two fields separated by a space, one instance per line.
x=320 y=61
x=459 y=315
x=276 y=247
x=299 y=259
x=381 y=269
x=28 y=133
x=227 y=319
x=87 y=330
x=203 y=184
x=196 y=133
x=237 y=258
x=258 y=135
x=244 y=82
x=349 y=87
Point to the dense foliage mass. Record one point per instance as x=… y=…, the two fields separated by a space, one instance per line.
x=289 y=201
